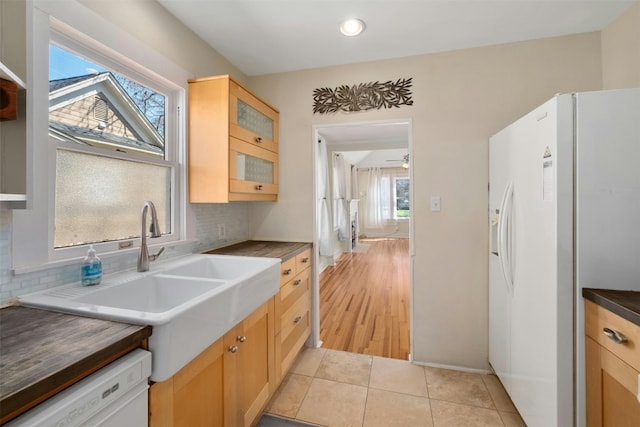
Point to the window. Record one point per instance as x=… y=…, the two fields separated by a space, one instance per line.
x=111 y=154
x=387 y=197
x=401 y=196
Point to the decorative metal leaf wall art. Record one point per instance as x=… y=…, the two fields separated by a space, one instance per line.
x=363 y=96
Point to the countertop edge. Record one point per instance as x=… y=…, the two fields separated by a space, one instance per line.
x=605 y=298
x=22 y=399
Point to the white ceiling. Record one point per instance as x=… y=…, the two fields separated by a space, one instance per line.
x=376 y=158
x=271 y=36
x=369 y=144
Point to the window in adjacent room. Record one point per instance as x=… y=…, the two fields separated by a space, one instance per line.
x=401 y=196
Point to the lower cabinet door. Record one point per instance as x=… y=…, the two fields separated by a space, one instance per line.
x=613 y=389
x=256 y=367
x=194 y=396
x=227 y=385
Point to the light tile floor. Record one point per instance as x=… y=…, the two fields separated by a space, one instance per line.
x=339 y=389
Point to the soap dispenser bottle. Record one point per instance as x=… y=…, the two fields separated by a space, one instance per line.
x=91 y=268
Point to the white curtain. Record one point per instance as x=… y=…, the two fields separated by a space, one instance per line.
x=325 y=242
x=378 y=207
x=355 y=192
x=340 y=197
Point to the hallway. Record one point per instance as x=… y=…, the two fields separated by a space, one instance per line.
x=364 y=300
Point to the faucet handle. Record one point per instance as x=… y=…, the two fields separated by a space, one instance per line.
x=156 y=255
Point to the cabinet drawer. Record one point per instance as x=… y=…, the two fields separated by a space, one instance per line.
x=294 y=289
x=291 y=345
x=287 y=271
x=294 y=316
x=600 y=322
x=290 y=293
x=303 y=260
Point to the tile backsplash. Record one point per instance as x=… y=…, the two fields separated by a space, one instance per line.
x=234 y=216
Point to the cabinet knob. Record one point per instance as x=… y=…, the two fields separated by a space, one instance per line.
x=241 y=338
x=305 y=260
x=259 y=139
x=259 y=187
x=297 y=282
x=287 y=272
x=614 y=336
x=233 y=349
x=297 y=320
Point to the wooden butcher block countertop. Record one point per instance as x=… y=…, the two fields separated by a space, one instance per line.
x=266 y=249
x=43 y=352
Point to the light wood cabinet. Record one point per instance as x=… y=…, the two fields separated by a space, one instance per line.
x=293 y=311
x=227 y=385
x=233 y=143
x=612 y=369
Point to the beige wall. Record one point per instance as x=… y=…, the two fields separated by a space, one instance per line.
x=155 y=26
x=460 y=99
x=621 y=51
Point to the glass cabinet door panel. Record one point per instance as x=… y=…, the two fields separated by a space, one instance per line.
x=253 y=120
x=251 y=168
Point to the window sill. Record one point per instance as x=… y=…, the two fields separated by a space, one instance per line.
x=103 y=256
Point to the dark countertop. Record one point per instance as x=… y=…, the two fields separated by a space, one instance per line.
x=43 y=352
x=625 y=304
x=267 y=249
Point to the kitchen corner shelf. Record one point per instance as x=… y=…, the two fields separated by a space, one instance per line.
x=7 y=74
x=11 y=200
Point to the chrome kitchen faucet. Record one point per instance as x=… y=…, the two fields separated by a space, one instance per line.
x=154 y=229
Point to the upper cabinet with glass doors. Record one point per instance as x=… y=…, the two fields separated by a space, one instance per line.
x=233 y=143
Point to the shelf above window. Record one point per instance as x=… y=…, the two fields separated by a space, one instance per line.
x=13 y=201
x=7 y=74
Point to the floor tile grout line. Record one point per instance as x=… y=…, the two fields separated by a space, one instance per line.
x=493 y=400
x=515 y=410
x=364 y=412
x=426 y=383
x=309 y=388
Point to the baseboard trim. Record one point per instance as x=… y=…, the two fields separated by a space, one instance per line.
x=453 y=367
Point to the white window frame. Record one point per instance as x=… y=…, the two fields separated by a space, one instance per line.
x=76 y=28
x=89 y=49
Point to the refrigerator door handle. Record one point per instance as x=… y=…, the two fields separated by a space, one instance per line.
x=504 y=237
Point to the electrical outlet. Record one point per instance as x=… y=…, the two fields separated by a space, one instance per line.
x=222 y=231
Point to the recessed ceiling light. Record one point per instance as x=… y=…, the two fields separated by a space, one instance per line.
x=352 y=27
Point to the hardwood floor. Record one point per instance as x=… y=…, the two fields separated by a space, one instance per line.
x=364 y=300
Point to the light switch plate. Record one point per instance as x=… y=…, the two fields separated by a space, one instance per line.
x=435 y=203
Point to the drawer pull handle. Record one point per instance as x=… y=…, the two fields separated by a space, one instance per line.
x=614 y=336
x=259 y=139
x=259 y=187
x=233 y=349
x=241 y=338
x=305 y=260
x=297 y=282
x=287 y=272
x=297 y=320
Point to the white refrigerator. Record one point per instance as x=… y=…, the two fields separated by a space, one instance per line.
x=564 y=214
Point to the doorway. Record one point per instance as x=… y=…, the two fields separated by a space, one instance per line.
x=362 y=282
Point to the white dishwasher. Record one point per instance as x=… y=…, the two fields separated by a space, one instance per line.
x=116 y=395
